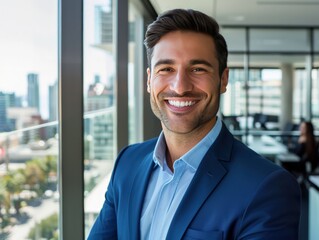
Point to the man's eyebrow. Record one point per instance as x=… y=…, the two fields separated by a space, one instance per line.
x=191 y=62
x=163 y=61
x=201 y=61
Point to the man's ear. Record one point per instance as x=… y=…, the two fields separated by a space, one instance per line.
x=224 y=81
x=148 y=71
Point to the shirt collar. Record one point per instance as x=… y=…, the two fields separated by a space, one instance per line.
x=194 y=156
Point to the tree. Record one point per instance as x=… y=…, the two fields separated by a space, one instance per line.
x=35 y=175
x=47 y=228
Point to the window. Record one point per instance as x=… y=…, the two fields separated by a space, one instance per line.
x=29 y=152
x=99 y=104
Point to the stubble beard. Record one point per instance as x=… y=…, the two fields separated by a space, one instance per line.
x=196 y=125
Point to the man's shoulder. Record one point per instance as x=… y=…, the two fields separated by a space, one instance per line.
x=251 y=161
x=132 y=157
x=138 y=150
x=145 y=146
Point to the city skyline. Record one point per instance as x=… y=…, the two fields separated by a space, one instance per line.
x=27 y=50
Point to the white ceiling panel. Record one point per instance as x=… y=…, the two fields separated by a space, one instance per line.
x=251 y=12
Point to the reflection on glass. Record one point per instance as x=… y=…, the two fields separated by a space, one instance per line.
x=29 y=199
x=99 y=109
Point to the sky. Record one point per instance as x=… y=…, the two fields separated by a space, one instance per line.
x=29 y=44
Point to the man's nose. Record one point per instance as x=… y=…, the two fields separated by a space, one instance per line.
x=181 y=83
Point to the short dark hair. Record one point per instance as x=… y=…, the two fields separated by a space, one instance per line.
x=186 y=20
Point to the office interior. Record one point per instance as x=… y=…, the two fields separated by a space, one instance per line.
x=97 y=102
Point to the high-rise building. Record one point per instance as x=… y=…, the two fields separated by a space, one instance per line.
x=100 y=125
x=103 y=25
x=3 y=112
x=99 y=96
x=53 y=102
x=33 y=91
x=7 y=100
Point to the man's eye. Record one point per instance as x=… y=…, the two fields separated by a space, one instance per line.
x=165 y=70
x=198 y=69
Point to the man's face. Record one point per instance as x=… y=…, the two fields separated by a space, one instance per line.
x=184 y=82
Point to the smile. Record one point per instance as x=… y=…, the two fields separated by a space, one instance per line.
x=181 y=104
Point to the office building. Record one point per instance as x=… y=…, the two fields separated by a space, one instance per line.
x=103 y=24
x=100 y=98
x=33 y=91
x=53 y=102
x=7 y=100
x=3 y=113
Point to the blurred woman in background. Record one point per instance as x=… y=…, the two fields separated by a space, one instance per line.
x=306 y=148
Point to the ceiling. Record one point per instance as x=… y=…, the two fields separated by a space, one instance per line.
x=251 y=12
x=260 y=13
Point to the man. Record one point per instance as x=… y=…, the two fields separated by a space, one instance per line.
x=195 y=181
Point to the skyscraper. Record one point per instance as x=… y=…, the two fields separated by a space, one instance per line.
x=53 y=102
x=33 y=91
x=103 y=25
x=101 y=126
x=3 y=113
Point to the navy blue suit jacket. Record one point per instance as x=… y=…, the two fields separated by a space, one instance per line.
x=235 y=194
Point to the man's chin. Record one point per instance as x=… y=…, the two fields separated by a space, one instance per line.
x=179 y=128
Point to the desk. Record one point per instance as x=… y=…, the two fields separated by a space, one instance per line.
x=266 y=146
x=287 y=158
x=313 y=208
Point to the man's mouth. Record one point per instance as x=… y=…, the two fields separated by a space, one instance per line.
x=181 y=104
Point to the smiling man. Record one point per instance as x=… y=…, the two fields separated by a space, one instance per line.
x=185 y=89
x=195 y=181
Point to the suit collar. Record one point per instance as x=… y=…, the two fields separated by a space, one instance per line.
x=210 y=172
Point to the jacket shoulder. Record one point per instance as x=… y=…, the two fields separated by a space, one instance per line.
x=139 y=149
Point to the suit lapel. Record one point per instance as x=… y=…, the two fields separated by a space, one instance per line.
x=137 y=195
x=207 y=177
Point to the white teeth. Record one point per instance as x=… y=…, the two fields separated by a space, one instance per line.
x=181 y=103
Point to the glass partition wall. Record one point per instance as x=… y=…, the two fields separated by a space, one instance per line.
x=273 y=80
x=315 y=79
x=315 y=91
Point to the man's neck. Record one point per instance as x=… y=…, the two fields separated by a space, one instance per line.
x=180 y=143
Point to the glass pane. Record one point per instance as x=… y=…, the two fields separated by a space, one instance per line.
x=282 y=87
x=300 y=92
x=233 y=101
x=99 y=110
x=235 y=38
x=279 y=40
x=29 y=199
x=316 y=40
x=135 y=75
x=315 y=92
x=264 y=97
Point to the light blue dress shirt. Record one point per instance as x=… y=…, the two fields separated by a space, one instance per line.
x=166 y=188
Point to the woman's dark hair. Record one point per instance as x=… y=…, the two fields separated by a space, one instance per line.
x=186 y=20
x=311 y=145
